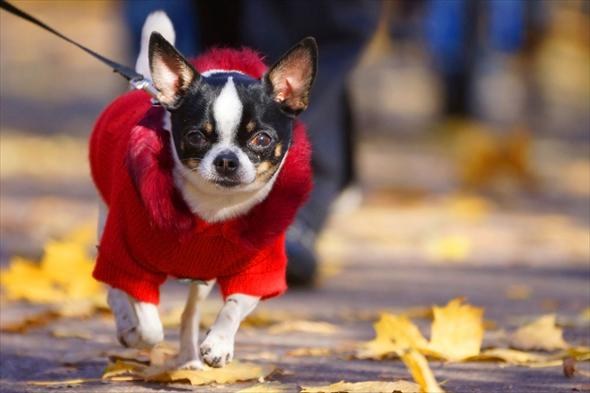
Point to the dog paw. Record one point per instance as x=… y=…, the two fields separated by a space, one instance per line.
x=217 y=350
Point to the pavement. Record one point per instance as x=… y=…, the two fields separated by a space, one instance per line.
x=393 y=252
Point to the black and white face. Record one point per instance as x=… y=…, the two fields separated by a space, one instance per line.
x=232 y=132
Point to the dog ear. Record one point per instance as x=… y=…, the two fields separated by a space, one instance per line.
x=172 y=74
x=290 y=79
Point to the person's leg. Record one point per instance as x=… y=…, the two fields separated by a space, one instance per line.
x=341 y=29
x=182 y=13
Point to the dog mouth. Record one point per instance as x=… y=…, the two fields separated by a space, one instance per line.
x=227 y=183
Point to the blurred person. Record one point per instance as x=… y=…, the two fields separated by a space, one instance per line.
x=342 y=28
x=477 y=48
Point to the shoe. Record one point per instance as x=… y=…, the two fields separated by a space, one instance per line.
x=301 y=256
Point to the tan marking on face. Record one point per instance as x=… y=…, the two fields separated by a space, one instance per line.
x=263 y=167
x=208 y=128
x=278 y=150
x=192 y=163
x=250 y=126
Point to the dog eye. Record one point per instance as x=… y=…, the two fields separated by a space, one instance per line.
x=197 y=139
x=260 y=141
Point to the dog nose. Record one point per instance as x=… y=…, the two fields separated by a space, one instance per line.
x=226 y=163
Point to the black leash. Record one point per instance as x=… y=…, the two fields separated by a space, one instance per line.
x=136 y=80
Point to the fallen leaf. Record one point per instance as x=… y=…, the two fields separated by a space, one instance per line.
x=162 y=352
x=67 y=382
x=449 y=248
x=269 y=387
x=518 y=292
x=232 y=373
x=569 y=367
x=364 y=387
x=512 y=356
x=71 y=333
x=52 y=280
x=457 y=330
x=420 y=370
x=39 y=319
x=394 y=333
x=122 y=367
x=303 y=327
x=541 y=334
x=321 y=351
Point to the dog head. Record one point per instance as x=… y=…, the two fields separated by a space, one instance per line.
x=231 y=132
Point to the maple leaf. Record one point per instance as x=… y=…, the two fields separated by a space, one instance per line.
x=363 y=387
x=542 y=334
x=64 y=274
x=457 y=330
x=272 y=387
x=420 y=370
x=394 y=334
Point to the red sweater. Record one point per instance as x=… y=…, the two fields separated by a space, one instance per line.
x=150 y=232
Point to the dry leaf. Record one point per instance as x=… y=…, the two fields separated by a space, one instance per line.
x=449 y=248
x=269 y=387
x=569 y=367
x=364 y=387
x=63 y=274
x=457 y=330
x=303 y=327
x=162 y=352
x=512 y=356
x=420 y=370
x=67 y=382
x=232 y=373
x=518 y=292
x=394 y=333
x=541 y=334
x=29 y=322
x=321 y=351
x=71 y=333
x=122 y=367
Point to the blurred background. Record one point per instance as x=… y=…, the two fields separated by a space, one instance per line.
x=467 y=140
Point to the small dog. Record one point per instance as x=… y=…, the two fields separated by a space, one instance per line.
x=200 y=187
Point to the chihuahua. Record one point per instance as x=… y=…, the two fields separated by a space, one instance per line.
x=200 y=186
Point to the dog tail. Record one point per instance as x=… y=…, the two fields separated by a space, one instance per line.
x=156 y=21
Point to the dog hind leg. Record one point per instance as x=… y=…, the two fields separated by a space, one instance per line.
x=189 y=358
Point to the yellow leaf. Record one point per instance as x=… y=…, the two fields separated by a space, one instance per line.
x=420 y=370
x=271 y=387
x=64 y=273
x=457 y=330
x=122 y=367
x=511 y=356
x=451 y=248
x=232 y=373
x=363 y=387
x=321 y=351
x=518 y=292
x=303 y=327
x=162 y=352
x=394 y=333
x=67 y=382
x=71 y=333
x=541 y=334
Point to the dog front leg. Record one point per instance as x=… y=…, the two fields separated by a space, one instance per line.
x=189 y=358
x=218 y=347
x=138 y=323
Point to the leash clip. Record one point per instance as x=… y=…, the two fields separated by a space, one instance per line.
x=145 y=85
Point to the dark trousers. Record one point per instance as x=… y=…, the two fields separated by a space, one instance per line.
x=341 y=28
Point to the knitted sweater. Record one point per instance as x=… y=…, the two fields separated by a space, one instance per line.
x=150 y=233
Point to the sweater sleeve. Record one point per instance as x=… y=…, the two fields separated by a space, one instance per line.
x=265 y=276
